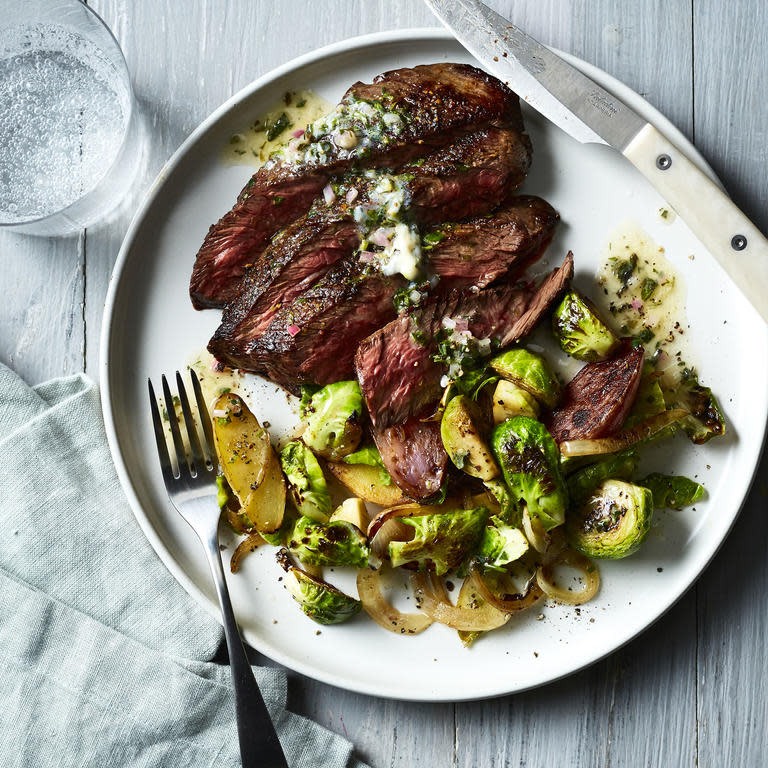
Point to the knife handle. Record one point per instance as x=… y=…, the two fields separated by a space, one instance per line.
x=735 y=242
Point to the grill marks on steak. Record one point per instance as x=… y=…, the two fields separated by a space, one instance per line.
x=414 y=456
x=397 y=376
x=472 y=176
x=597 y=400
x=441 y=102
x=298 y=258
x=315 y=338
x=481 y=250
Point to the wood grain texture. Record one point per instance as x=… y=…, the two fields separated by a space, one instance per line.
x=690 y=690
x=732 y=131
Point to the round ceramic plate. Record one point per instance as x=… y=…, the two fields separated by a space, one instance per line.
x=150 y=328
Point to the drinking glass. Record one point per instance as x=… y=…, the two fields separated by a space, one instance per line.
x=69 y=136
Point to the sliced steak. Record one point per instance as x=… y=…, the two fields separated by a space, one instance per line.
x=481 y=250
x=301 y=254
x=402 y=115
x=394 y=365
x=414 y=456
x=597 y=400
x=314 y=340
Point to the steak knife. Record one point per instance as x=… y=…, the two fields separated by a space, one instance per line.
x=590 y=114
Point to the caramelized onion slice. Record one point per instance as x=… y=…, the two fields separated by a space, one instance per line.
x=380 y=610
x=545 y=578
x=245 y=547
x=437 y=606
x=625 y=439
x=508 y=601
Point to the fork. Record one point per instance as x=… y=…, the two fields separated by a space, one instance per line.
x=192 y=491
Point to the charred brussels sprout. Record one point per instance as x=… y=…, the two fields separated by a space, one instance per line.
x=511 y=512
x=530 y=372
x=501 y=544
x=338 y=543
x=673 y=491
x=306 y=481
x=319 y=600
x=619 y=466
x=441 y=541
x=510 y=400
x=462 y=440
x=612 y=522
x=530 y=461
x=334 y=420
x=706 y=419
x=580 y=331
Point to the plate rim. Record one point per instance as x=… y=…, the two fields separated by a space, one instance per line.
x=387 y=37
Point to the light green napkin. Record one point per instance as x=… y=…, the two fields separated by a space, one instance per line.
x=104 y=658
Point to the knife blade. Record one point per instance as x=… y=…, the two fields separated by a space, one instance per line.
x=590 y=114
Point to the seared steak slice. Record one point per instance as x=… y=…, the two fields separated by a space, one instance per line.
x=314 y=339
x=484 y=167
x=420 y=109
x=478 y=251
x=472 y=176
x=394 y=366
x=414 y=456
x=598 y=398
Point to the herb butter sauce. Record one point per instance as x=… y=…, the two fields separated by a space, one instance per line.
x=644 y=297
x=254 y=144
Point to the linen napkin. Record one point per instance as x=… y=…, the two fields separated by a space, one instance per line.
x=104 y=658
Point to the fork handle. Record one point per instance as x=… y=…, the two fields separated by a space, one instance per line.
x=259 y=745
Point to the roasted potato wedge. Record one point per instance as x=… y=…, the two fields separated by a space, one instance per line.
x=265 y=506
x=249 y=463
x=365 y=482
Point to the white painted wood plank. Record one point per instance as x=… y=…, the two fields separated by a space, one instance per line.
x=731 y=75
x=41 y=315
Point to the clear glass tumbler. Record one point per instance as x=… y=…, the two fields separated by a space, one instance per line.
x=69 y=135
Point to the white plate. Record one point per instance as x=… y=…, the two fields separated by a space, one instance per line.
x=150 y=328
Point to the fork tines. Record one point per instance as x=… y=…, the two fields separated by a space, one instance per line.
x=198 y=452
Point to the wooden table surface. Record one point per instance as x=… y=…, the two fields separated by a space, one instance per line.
x=691 y=690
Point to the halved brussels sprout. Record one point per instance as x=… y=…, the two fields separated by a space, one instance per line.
x=440 y=541
x=530 y=372
x=509 y=400
x=612 y=522
x=530 y=461
x=580 y=331
x=619 y=466
x=306 y=481
x=334 y=420
x=510 y=510
x=673 y=491
x=501 y=544
x=318 y=599
x=338 y=543
x=352 y=511
x=462 y=440
x=248 y=463
x=706 y=419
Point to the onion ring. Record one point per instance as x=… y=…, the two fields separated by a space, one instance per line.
x=545 y=578
x=509 y=602
x=534 y=531
x=384 y=614
x=480 y=619
x=245 y=547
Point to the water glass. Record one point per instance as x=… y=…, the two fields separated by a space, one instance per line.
x=69 y=134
